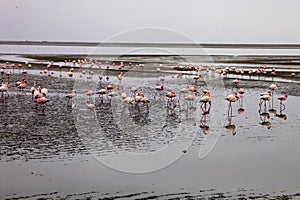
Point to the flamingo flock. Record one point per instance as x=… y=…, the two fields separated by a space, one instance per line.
x=137 y=101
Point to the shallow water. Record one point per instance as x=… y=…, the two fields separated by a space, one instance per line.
x=154 y=151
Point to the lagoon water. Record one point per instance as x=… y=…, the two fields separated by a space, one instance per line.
x=154 y=151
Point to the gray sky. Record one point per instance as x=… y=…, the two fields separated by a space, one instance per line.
x=227 y=21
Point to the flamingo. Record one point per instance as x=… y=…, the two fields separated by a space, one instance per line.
x=204 y=100
x=4 y=89
x=293 y=74
x=19 y=66
x=170 y=95
x=250 y=73
x=89 y=93
x=110 y=87
x=282 y=98
x=100 y=78
x=190 y=98
x=70 y=73
x=120 y=77
x=113 y=94
x=90 y=106
x=264 y=97
x=128 y=100
x=71 y=95
x=21 y=85
x=273 y=87
x=158 y=89
x=194 y=89
x=197 y=77
x=236 y=82
x=8 y=74
x=42 y=101
x=123 y=95
x=102 y=92
x=241 y=91
x=231 y=98
x=44 y=91
x=2 y=70
x=132 y=90
x=184 y=90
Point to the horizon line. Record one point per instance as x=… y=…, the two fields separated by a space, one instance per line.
x=155 y=44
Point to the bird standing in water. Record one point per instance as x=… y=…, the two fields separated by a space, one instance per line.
x=42 y=101
x=273 y=87
x=71 y=95
x=204 y=100
x=3 y=90
x=241 y=91
x=281 y=99
x=231 y=98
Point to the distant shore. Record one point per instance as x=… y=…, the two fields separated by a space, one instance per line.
x=169 y=45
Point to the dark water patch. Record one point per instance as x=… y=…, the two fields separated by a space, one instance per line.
x=92 y=195
x=290 y=88
x=27 y=133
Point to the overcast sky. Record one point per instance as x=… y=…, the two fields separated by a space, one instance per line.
x=226 y=21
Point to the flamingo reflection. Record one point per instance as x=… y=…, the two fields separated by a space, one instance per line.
x=230 y=126
x=203 y=124
x=264 y=119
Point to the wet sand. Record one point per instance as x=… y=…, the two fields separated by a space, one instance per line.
x=58 y=154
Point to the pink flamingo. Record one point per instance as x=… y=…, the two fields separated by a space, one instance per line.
x=4 y=89
x=204 y=100
x=235 y=82
x=273 y=87
x=89 y=93
x=241 y=91
x=250 y=73
x=2 y=70
x=21 y=86
x=231 y=98
x=158 y=89
x=282 y=98
x=194 y=89
x=44 y=91
x=197 y=77
x=293 y=74
x=100 y=79
x=71 y=95
x=13 y=67
x=113 y=94
x=110 y=87
x=171 y=96
x=8 y=74
x=120 y=77
x=264 y=97
x=132 y=90
x=184 y=90
x=90 y=106
x=42 y=101
x=190 y=99
x=102 y=92
x=19 y=66
x=33 y=88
